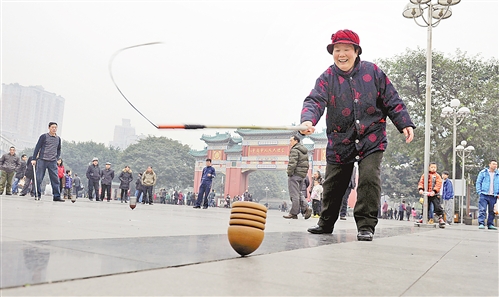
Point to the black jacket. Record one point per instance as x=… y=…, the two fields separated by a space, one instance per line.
x=93 y=172
x=21 y=170
x=125 y=179
x=107 y=176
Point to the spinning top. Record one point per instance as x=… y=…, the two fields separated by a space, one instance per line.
x=246 y=225
x=133 y=202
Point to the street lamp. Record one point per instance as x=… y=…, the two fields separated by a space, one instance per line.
x=439 y=11
x=457 y=116
x=463 y=152
x=267 y=198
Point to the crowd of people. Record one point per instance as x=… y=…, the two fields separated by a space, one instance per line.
x=357 y=97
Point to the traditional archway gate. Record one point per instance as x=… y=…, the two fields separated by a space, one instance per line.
x=237 y=157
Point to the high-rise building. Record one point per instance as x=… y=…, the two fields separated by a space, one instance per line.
x=26 y=112
x=124 y=135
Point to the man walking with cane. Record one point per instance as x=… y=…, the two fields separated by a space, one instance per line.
x=47 y=151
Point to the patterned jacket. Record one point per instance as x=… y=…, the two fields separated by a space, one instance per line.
x=358 y=104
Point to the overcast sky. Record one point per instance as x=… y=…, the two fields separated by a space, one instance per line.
x=221 y=62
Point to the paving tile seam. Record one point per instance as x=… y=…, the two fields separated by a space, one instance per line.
x=121 y=273
x=430 y=268
x=47 y=243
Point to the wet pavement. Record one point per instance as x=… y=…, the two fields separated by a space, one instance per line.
x=105 y=248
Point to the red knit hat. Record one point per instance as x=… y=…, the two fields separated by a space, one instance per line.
x=344 y=36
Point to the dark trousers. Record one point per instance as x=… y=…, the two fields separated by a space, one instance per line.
x=106 y=190
x=147 y=194
x=204 y=191
x=437 y=208
x=336 y=183
x=124 y=195
x=344 y=202
x=486 y=203
x=51 y=166
x=28 y=187
x=93 y=184
x=316 y=206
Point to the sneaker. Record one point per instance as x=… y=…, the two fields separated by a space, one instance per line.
x=441 y=223
x=492 y=227
x=343 y=218
x=317 y=216
x=290 y=216
x=320 y=230
x=430 y=221
x=307 y=213
x=481 y=227
x=365 y=235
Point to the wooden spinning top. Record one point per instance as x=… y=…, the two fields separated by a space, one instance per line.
x=246 y=225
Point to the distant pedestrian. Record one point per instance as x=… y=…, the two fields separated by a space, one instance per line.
x=385 y=210
x=139 y=189
x=433 y=190
x=93 y=174
x=47 y=152
x=125 y=178
x=316 y=197
x=9 y=163
x=448 y=197
x=211 y=198
x=28 y=179
x=247 y=196
x=207 y=177
x=408 y=211
x=61 y=171
x=76 y=184
x=68 y=185
x=487 y=187
x=414 y=214
x=402 y=210
x=297 y=171
x=162 y=196
x=107 y=176
x=148 y=181
x=20 y=172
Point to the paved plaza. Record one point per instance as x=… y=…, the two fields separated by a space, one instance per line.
x=93 y=248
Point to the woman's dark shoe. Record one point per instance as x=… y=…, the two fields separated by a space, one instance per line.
x=320 y=230
x=365 y=235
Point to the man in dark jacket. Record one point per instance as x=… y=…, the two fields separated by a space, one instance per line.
x=358 y=97
x=9 y=163
x=207 y=176
x=297 y=171
x=93 y=175
x=47 y=152
x=19 y=174
x=139 y=189
x=107 y=176
x=77 y=184
x=28 y=179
